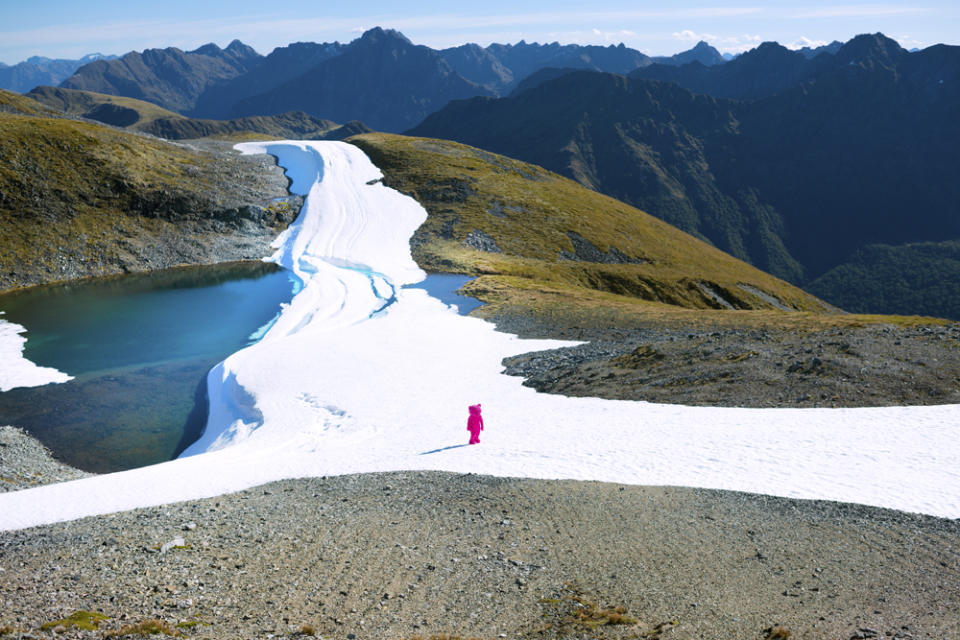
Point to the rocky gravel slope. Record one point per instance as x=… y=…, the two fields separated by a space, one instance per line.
x=865 y=366
x=398 y=555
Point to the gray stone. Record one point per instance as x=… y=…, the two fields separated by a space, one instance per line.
x=482 y=241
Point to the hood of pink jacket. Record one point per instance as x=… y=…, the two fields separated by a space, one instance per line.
x=474 y=409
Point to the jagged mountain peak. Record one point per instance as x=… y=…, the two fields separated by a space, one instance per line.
x=769 y=54
x=379 y=35
x=209 y=49
x=701 y=53
x=767 y=48
x=874 y=47
x=238 y=48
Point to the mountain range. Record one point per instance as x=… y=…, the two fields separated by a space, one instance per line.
x=79 y=198
x=170 y=78
x=381 y=78
x=818 y=160
x=812 y=164
x=38 y=70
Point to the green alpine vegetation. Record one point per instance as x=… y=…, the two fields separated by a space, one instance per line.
x=543 y=242
x=119 y=111
x=146 y=117
x=79 y=199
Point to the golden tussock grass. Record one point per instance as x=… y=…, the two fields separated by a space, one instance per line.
x=531 y=214
x=86 y=620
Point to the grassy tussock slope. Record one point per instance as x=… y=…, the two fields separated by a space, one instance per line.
x=559 y=241
x=80 y=199
x=146 y=117
x=15 y=103
x=126 y=111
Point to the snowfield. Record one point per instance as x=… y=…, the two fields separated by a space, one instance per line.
x=359 y=375
x=17 y=371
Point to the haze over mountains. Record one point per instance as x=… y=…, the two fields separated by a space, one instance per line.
x=38 y=70
x=820 y=166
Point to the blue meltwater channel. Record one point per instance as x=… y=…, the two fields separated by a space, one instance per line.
x=139 y=348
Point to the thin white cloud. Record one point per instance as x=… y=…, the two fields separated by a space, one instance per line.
x=804 y=41
x=687 y=35
x=726 y=44
x=910 y=42
x=738 y=44
x=593 y=36
x=858 y=11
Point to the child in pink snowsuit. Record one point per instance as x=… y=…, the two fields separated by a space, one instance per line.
x=475 y=423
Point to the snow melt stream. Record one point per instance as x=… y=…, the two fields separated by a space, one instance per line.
x=360 y=375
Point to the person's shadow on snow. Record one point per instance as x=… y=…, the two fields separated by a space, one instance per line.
x=453 y=446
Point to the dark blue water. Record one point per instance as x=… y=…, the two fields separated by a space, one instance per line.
x=443 y=286
x=139 y=347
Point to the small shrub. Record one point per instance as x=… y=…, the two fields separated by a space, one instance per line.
x=777 y=633
x=573 y=612
x=86 y=620
x=307 y=630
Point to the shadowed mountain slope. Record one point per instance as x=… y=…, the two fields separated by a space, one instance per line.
x=701 y=52
x=171 y=78
x=641 y=142
x=381 y=78
x=534 y=233
x=118 y=111
x=146 y=117
x=772 y=68
x=282 y=65
x=861 y=153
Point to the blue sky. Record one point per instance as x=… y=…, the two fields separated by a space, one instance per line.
x=70 y=29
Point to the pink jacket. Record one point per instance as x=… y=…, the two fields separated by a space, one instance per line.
x=475 y=421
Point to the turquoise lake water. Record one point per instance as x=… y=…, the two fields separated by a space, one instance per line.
x=139 y=348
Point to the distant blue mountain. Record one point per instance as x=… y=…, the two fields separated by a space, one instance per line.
x=38 y=70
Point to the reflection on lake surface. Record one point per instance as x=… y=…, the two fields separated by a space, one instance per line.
x=139 y=347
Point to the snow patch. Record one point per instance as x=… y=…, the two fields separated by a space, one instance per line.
x=17 y=371
x=359 y=374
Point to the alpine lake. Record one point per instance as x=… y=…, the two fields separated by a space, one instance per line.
x=139 y=348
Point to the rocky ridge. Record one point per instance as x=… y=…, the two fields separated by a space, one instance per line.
x=866 y=366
